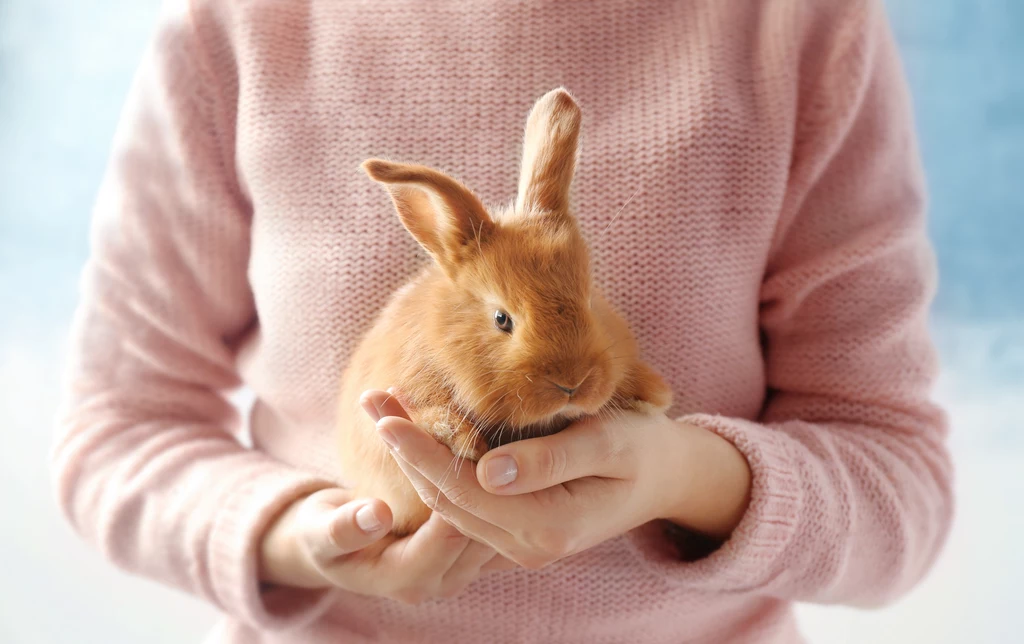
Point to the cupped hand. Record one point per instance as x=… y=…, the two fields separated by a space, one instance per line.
x=538 y=500
x=331 y=539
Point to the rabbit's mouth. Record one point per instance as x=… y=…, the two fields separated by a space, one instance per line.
x=503 y=434
x=537 y=413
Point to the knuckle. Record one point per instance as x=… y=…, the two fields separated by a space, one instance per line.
x=532 y=561
x=455 y=541
x=609 y=445
x=551 y=544
x=315 y=498
x=552 y=463
x=429 y=497
x=437 y=504
x=413 y=459
x=306 y=512
x=460 y=497
x=336 y=534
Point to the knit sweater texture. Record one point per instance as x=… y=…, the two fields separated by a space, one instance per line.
x=772 y=260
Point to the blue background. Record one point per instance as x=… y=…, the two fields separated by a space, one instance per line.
x=965 y=63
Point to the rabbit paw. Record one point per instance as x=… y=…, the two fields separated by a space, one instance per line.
x=458 y=434
x=646 y=392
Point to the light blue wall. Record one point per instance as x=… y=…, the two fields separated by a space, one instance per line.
x=965 y=63
x=65 y=67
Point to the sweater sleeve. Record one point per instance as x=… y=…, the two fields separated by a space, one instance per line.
x=146 y=464
x=851 y=492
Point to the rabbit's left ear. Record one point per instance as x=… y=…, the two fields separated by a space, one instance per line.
x=444 y=216
x=550 y=148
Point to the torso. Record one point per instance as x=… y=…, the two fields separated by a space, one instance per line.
x=448 y=84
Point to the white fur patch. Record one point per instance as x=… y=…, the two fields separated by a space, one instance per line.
x=646 y=408
x=443 y=430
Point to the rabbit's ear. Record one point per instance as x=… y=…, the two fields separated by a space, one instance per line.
x=444 y=216
x=550 y=148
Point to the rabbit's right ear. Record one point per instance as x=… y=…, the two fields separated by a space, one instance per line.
x=550 y=148
x=444 y=216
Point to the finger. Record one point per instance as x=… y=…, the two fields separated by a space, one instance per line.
x=532 y=540
x=329 y=499
x=409 y=568
x=414 y=568
x=340 y=531
x=466 y=568
x=435 y=463
x=580 y=450
x=379 y=404
x=465 y=522
x=428 y=554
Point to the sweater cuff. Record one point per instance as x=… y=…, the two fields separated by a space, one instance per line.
x=234 y=550
x=753 y=555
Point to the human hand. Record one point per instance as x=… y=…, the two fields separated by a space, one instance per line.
x=542 y=499
x=330 y=539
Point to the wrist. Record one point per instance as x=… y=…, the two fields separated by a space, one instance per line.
x=282 y=561
x=708 y=483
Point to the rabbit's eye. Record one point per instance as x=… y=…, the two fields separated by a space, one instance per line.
x=503 y=321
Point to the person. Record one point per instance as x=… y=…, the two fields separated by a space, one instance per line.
x=750 y=185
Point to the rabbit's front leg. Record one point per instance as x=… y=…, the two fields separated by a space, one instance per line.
x=643 y=390
x=452 y=430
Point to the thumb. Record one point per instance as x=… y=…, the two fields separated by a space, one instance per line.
x=585 y=448
x=331 y=532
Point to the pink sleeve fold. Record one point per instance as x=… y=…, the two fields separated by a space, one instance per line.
x=146 y=465
x=851 y=499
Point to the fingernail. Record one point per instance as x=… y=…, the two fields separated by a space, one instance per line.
x=388 y=437
x=501 y=471
x=367 y=520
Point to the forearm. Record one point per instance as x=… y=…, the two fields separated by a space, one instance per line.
x=145 y=464
x=839 y=511
x=183 y=505
x=850 y=478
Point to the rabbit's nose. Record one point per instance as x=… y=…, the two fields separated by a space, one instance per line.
x=568 y=390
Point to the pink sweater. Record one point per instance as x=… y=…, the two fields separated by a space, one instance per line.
x=773 y=264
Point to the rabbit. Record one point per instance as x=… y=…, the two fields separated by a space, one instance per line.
x=504 y=335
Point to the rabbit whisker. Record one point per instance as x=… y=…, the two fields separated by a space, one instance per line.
x=635 y=192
